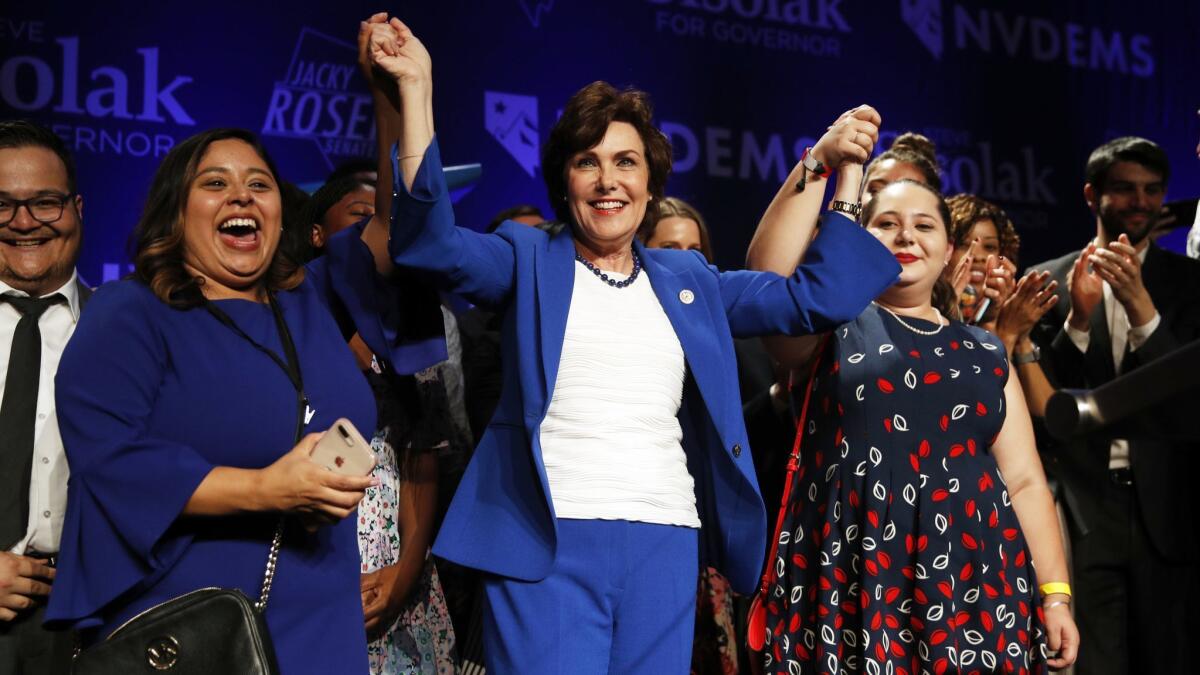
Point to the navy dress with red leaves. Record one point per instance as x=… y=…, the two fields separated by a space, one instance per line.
x=900 y=552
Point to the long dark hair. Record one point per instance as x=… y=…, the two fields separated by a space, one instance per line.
x=157 y=241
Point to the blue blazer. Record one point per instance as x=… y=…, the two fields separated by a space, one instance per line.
x=502 y=519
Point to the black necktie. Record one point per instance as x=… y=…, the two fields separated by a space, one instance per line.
x=18 y=414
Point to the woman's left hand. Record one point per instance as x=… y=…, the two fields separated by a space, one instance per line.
x=1062 y=636
x=384 y=595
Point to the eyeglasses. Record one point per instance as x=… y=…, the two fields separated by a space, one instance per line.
x=45 y=209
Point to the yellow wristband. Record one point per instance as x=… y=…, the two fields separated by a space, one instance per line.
x=1055 y=587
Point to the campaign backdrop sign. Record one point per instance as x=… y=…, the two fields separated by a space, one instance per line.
x=1014 y=93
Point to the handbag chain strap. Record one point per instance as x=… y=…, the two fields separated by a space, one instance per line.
x=272 y=558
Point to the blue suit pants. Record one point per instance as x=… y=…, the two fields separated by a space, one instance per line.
x=620 y=599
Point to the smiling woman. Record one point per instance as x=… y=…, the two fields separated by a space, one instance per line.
x=947 y=480
x=617 y=457
x=214 y=233
x=185 y=395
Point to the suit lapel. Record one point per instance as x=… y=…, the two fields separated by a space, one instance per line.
x=691 y=323
x=555 y=283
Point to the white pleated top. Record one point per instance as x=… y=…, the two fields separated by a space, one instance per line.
x=611 y=440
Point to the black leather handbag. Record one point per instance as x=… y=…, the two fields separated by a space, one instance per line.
x=207 y=631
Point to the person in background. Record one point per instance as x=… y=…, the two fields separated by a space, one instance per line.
x=525 y=214
x=296 y=244
x=337 y=205
x=360 y=169
x=984 y=263
x=679 y=226
x=41 y=296
x=1134 y=517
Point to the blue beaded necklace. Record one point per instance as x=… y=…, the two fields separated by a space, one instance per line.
x=637 y=267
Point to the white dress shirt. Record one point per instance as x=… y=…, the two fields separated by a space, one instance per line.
x=1193 y=240
x=1121 y=334
x=48 y=484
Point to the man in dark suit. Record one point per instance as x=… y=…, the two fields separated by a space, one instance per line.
x=40 y=298
x=1132 y=502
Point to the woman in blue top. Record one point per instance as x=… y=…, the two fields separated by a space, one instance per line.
x=617 y=451
x=179 y=416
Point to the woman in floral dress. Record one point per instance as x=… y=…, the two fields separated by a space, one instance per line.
x=918 y=506
x=406 y=616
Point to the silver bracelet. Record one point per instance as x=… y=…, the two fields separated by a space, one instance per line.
x=1056 y=603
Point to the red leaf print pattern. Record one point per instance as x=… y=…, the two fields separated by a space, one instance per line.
x=899 y=525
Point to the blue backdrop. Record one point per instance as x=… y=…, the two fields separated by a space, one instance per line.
x=1014 y=93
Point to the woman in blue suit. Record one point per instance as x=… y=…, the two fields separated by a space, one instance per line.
x=617 y=458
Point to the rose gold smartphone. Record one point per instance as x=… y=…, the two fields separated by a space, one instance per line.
x=343 y=450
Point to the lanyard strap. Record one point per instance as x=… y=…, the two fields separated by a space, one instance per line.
x=291 y=367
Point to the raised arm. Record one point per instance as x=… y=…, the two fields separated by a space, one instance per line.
x=423 y=234
x=391 y=124
x=788 y=225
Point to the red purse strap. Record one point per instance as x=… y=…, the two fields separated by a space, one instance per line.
x=768 y=577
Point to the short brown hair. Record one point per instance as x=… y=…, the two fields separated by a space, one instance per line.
x=967 y=209
x=157 y=241
x=1125 y=149
x=24 y=134
x=583 y=124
